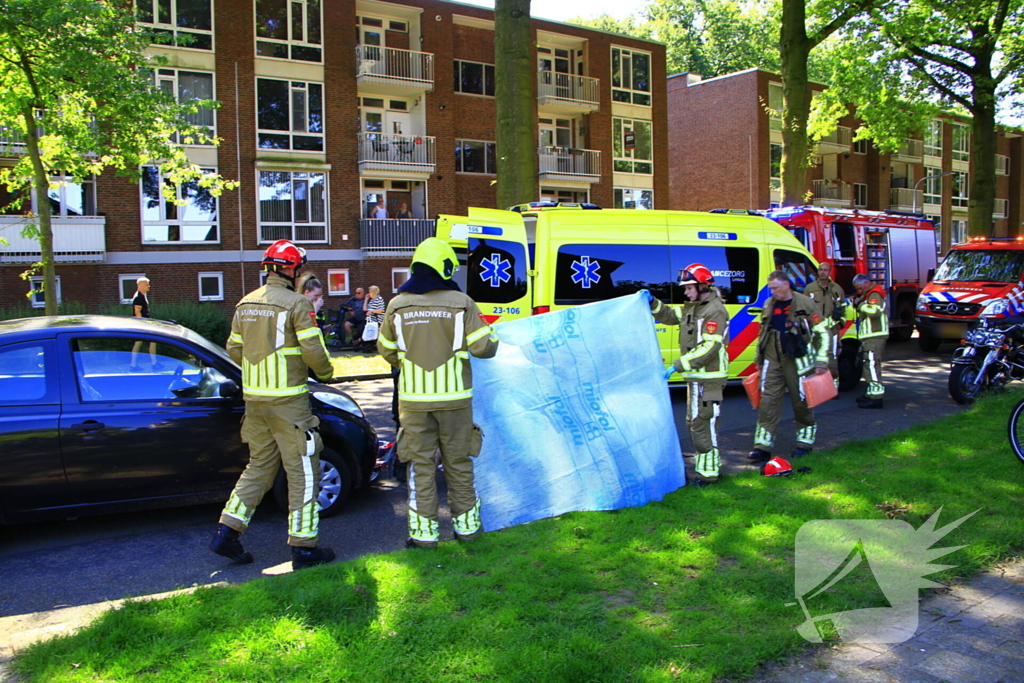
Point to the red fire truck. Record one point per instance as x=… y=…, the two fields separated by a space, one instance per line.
x=896 y=250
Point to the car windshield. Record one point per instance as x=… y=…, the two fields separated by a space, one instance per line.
x=981 y=265
x=200 y=340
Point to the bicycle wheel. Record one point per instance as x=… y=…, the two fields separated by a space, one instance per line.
x=1016 y=429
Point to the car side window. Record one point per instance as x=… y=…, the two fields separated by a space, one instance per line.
x=28 y=374
x=111 y=369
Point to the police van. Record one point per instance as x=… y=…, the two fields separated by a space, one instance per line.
x=527 y=262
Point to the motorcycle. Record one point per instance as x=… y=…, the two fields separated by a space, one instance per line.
x=992 y=356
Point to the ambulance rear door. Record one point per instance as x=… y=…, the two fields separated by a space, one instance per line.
x=493 y=254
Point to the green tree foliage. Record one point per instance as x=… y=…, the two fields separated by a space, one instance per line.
x=74 y=88
x=514 y=74
x=906 y=62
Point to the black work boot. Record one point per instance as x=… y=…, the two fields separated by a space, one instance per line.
x=864 y=399
x=413 y=543
x=800 y=451
x=226 y=544
x=758 y=455
x=871 y=404
x=310 y=557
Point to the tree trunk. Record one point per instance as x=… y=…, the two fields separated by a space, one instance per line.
x=41 y=186
x=514 y=75
x=794 y=50
x=982 y=200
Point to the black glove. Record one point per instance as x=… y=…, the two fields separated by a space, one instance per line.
x=839 y=313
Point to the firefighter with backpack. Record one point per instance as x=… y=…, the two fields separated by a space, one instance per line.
x=872 y=331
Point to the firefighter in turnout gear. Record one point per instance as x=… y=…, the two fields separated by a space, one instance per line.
x=872 y=331
x=827 y=293
x=792 y=344
x=429 y=331
x=275 y=338
x=703 y=362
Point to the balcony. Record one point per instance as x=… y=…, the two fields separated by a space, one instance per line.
x=387 y=237
x=1002 y=165
x=838 y=141
x=831 y=193
x=902 y=199
x=910 y=152
x=560 y=93
x=76 y=239
x=11 y=144
x=391 y=71
x=406 y=153
x=1001 y=209
x=565 y=163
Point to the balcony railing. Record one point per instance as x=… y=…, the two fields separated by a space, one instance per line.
x=566 y=93
x=380 y=152
x=1001 y=209
x=395 y=69
x=831 y=193
x=902 y=199
x=839 y=140
x=565 y=163
x=911 y=151
x=392 y=236
x=76 y=239
x=11 y=143
x=1002 y=164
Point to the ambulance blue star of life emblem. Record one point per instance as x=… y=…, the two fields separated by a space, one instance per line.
x=496 y=270
x=584 y=272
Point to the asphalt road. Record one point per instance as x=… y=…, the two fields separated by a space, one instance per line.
x=75 y=563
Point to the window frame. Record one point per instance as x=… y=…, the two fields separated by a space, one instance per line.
x=162 y=210
x=326 y=223
x=631 y=157
x=127 y=277
x=172 y=26
x=618 y=74
x=159 y=75
x=293 y=87
x=330 y=284
x=290 y=43
x=34 y=288
x=457 y=78
x=856 y=194
x=930 y=184
x=398 y=272
x=619 y=198
x=774 y=182
x=961 y=181
x=459 y=156
x=88 y=186
x=961 y=135
x=933 y=150
x=219 y=276
x=861 y=146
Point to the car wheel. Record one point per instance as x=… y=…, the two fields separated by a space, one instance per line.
x=905 y=316
x=335 y=484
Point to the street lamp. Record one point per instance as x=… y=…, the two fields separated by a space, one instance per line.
x=927 y=177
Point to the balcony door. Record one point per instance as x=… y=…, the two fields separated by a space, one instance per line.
x=555 y=132
x=558 y=63
x=370 y=34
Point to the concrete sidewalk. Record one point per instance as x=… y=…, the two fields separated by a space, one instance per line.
x=971 y=633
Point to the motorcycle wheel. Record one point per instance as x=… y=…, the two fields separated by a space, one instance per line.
x=1016 y=429
x=962 y=385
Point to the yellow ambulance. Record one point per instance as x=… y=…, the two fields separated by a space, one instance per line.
x=519 y=263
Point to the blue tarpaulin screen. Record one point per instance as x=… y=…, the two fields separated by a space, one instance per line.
x=576 y=415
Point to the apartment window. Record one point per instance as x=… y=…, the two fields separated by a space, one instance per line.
x=933 y=138
x=860 y=194
x=474 y=78
x=957 y=231
x=399 y=276
x=68 y=198
x=632 y=146
x=937 y=222
x=163 y=221
x=289 y=29
x=775 y=105
x=36 y=294
x=631 y=76
x=860 y=146
x=961 y=188
x=634 y=199
x=290 y=115
x=775 y=165
x=337 y=282
x=211 y=286
x=475 y=156
x=293 y=206
x=128 y=284
x=399 y=26
x=932 y=186
x=189 y=86
x=182 y=23
x=961 y=142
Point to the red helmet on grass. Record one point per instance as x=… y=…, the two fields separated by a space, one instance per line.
x=777 y=467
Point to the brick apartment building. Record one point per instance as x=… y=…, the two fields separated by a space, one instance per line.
x=327 y=107
x=726 y=148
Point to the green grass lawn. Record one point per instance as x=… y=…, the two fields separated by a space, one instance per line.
x=693 y=588
x=350 y=364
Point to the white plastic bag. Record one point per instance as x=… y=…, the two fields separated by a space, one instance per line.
x=370 y=331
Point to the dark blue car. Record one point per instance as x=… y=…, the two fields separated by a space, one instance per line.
x=106 y=414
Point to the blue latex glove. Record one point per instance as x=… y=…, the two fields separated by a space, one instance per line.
x=647 y=296
x=669 y=371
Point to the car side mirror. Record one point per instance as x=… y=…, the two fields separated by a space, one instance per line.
x=228 y=388
x=931 y=274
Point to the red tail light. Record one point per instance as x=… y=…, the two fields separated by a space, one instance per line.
x=537 y=310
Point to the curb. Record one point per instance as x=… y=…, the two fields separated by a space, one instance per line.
x=359 y=378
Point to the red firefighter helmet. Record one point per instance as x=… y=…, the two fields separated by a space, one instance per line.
x=696 y=273
x=777 y=467
x=284 y=253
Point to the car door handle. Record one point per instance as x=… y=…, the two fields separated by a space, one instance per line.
x=89 y=426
